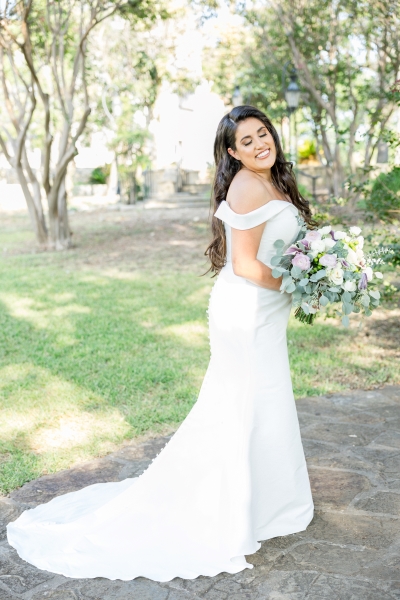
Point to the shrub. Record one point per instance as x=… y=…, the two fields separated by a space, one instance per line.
x=384 y=198
x=99 y=175
x=307 y=149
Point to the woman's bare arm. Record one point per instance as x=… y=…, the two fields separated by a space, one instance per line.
x=243 y=198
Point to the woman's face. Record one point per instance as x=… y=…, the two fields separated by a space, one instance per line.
x=255 y=146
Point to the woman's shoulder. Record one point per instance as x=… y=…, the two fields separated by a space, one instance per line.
x=246 y=193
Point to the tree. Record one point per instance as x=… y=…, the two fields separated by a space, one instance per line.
x=347 y=56
x=127 y=89
x=44 y=47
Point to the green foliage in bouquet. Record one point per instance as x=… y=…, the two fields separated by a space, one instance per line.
x=326 y=267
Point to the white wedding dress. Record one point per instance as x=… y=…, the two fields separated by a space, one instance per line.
x=233 y=474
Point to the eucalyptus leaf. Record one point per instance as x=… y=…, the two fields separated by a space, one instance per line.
x=279 y=244
x=375 y=294
x=305 y=308
x=365 y=300
x=287 y=281
x=367 y=312
x=346 y=297
x=318 y=275
x=290 y=288
x=347 y=308
x=345 y=321
x=324 y=300
x=303 y=281
x=334 y=289
x=275 y=260
x=296 y=272
x=308 y=289
x=276 y=273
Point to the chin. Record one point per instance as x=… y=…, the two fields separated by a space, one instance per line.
x=261 y=165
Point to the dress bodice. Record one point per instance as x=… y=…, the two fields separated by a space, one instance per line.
x=281 y=223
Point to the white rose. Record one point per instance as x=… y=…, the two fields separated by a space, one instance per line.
x=318 y=246
x=355 y=231
x=360 y=241
x=325 y=230
x=336 y=275
x=339 y=235
x=352 y=257
x=360 y=257
x=369 y=273
x=378 y=274
x=329 y=243
x=349 y=286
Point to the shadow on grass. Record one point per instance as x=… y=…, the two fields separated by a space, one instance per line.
x=88 y=359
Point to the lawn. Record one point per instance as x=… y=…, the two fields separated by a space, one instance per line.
x=109 y=341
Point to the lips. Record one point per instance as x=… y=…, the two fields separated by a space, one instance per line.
x=264 y=154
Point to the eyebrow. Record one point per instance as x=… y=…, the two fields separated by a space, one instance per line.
x=249 y=136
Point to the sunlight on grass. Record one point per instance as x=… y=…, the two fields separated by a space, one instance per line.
x=92 y=357
x=188 y=333
x=40 y=315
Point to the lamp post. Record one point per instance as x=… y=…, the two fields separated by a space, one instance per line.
x=292 y=97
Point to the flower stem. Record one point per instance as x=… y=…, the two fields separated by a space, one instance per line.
x=303 y=317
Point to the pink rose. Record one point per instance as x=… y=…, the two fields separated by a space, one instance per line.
x=302 y=261
x=291 y=250
x=313 y=236
x=328 y=260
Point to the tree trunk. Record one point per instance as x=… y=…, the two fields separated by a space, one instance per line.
x=34 y=208
x=60 y=234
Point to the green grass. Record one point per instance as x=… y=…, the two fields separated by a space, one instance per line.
x=91 y=357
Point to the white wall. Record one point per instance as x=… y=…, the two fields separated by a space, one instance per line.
x=184 y=130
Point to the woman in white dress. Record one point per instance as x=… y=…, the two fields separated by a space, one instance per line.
x=234 y=473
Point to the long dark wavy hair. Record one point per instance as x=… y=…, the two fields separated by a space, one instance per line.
x=227 y=166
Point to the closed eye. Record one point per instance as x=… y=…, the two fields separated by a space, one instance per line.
x=248 y=143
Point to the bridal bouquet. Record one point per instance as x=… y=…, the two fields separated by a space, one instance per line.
x=324 y=267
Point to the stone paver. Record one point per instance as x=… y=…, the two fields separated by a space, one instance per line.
x=350 y=551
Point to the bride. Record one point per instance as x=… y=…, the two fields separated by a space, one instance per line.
x=234 y=473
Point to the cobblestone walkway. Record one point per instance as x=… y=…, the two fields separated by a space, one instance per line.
x=351 y=550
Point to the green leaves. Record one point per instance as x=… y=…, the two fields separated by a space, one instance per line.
x=347 y=308
x=279 y=244
x=345 y=321
x=275 y=260
x=278 y=271
x=296 y=272
x=324 y=300
x=365 y=300
x=346 y=297
x=318 y=275
x=375 y=294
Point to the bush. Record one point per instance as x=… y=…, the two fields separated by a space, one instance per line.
x=99 y=175
x=307 y=149
x=384 y=199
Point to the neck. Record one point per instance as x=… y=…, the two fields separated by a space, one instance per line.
x=266 y=175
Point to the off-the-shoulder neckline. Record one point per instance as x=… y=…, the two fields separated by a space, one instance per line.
x=257 y=209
